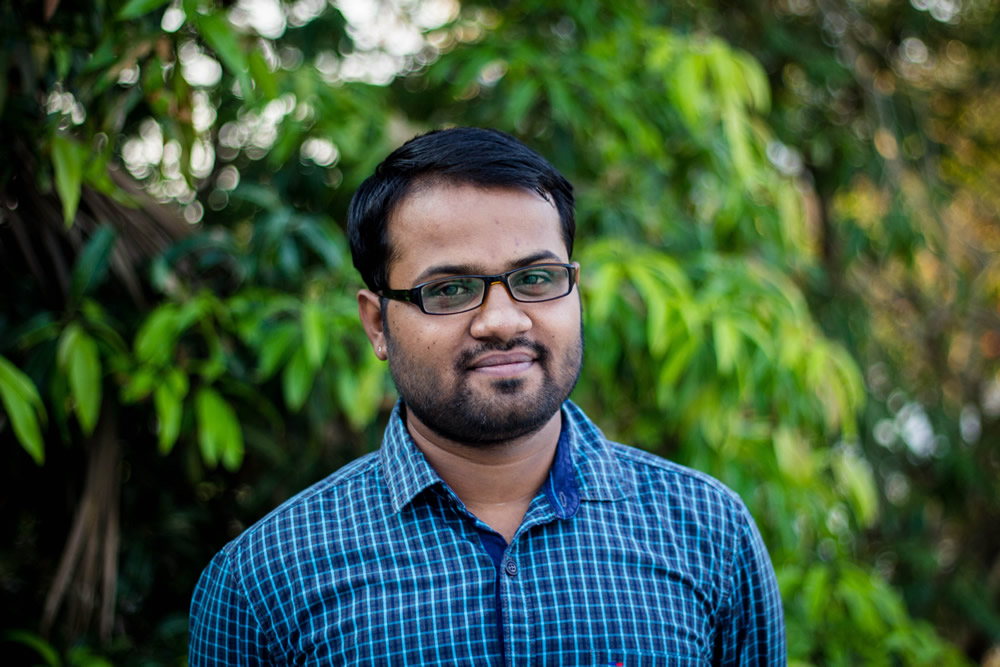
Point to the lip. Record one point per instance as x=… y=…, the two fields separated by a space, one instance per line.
x=503 y=363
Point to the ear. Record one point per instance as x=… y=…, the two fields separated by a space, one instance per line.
x=577 y=265
x=370 y=312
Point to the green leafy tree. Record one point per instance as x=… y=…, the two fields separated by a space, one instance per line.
x=883 y=111
x=177 y=198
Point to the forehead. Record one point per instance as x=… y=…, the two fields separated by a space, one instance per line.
x=456 y=228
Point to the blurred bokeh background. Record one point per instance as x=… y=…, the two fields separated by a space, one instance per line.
x=789 y=224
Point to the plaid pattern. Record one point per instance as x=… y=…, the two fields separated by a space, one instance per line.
x=625 y=559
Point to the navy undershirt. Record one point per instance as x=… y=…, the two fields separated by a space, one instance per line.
x=560 y=489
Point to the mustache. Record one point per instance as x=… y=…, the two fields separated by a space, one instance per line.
x=467 y=357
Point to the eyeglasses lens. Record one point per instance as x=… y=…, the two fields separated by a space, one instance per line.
x=538 y=283
x=453 y=295
x=532 y=283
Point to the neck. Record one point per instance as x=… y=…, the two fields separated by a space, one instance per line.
x=496 y=483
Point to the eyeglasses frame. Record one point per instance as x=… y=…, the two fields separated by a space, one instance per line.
x=413 y=296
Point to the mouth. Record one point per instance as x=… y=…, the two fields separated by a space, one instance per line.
x=503 y=364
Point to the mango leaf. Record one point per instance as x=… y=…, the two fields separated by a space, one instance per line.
x=521 y=99
x=655 y=296
x=816 y=592
x=92 y=263
x=77 y=357
x=68 y=160
x=319 y=237
x=219 y=34
x=688 y=88
x=315 y=334
x=755 y=78
x=274 y=348
x=136 y=8
x=794 y=456
x=154 y=342
x=297 y=380
x=24 y=409
x=370 y=391
x=854 y=588
x=169 y=402
x=854 y=475
x=82 y=656
x=727 y=344
x=603 y=289
x=563 y=108
x=219 y=432
x=262 y=75
x=139 y=385
x=44 y=649
x=734 y=126
x=678 y=359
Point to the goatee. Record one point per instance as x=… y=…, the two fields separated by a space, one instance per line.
x=504 y=412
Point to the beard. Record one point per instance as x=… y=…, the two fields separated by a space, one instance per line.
x=504 y=411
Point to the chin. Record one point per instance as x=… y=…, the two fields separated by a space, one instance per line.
x=509 y=386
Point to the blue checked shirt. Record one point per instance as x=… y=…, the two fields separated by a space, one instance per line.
x=622 y=558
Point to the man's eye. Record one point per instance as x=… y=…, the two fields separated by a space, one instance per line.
x=534 y=278
x=449 y=289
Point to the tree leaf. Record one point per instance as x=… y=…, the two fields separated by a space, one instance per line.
x=219 y=432
x=154 y=343
x=78 y=358
x=655 y=296
x=521 y=99
x=136 y=8
x=169 y=402
x=68 y=158
x=274 y=348
x=816 y=592
x=24 y=408
x=297 y=380
x=320 y=238
x=315 y=334
x=45 y=650
x=688 y=88
x=727 y=344
x=793 y=454
x=92 y=263
x=262 y=75
x=563 y=108
x=604 y=289
x=219 y=34
x=207 y=412
x=855 y=476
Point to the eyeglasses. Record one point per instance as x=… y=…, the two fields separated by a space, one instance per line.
x=458 y=294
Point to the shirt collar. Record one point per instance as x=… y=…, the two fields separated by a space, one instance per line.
x=584 y=468
x=406 y=470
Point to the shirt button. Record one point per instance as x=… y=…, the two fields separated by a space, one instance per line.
x=562 y=499
x=510 y=567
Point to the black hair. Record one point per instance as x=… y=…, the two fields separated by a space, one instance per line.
x=461 y=155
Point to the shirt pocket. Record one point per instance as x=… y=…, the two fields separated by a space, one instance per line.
x=641 y=659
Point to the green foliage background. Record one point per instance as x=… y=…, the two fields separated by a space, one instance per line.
x=788 y=228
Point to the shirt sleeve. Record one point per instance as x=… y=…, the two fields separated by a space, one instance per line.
x=753 y=630
x=223 y=627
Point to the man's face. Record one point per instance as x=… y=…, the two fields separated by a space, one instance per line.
x=498 y=372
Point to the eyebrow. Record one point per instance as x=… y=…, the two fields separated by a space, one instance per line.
x=470 y=269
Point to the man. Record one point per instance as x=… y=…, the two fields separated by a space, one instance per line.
x=496 y=524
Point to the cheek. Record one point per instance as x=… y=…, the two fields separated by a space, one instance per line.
x=564 y=325
x=425 y=336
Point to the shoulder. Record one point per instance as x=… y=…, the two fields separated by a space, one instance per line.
x=312 y=514
x=646 y=468
x=687 y=498
x=610 y=470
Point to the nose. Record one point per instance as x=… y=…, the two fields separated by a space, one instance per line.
x=499 y=317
